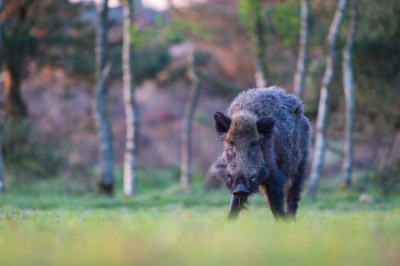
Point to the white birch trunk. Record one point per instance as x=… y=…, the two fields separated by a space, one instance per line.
x=261 y=74
x=131 y=110
x=323 y=106
x=187 y=125
x=106 y=182
x=2 y=189
x=350 y=101
x=299 y=77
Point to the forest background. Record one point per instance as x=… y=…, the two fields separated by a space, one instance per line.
x=56 y=81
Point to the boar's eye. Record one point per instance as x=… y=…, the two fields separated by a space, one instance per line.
x=228 y=181
x=253 y=180
x=252 y=146
x=231 y=147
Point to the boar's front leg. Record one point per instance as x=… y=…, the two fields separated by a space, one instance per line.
x=237 y=204
x=275 y=195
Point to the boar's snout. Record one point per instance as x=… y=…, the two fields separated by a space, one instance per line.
x=241 y=191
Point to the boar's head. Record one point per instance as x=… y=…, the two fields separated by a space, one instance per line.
x=244 y=136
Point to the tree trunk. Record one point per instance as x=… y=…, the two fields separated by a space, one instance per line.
x=261 y=74
x=131 y=110
x=299 y=77
x=15 y=107
x=350 y=101
x=323 y=106
x=2 y=189
x=187 y=124
x=13 y=46
x=106 y=182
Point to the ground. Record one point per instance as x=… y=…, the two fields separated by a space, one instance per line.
x=163 y=226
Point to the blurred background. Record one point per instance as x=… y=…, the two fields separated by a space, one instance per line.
x=48 y=78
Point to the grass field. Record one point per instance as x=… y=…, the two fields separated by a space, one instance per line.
x=41 y=225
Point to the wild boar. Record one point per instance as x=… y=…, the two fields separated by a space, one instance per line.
x=266 y=139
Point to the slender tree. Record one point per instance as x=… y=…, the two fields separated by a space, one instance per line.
x=16 y=38
x=1 y=150
x=323 y=106
x=350 y=99
x=261 y=74
x=187 y=123
x=251 y=14
x=299 y=77
x=131 y=110
x=106 y=182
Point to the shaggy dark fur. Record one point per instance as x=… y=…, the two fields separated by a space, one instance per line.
x=266 y=139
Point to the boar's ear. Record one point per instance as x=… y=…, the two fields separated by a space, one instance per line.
x=222 y=123
x=266 y=125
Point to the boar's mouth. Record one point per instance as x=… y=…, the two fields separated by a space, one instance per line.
x=241 y=191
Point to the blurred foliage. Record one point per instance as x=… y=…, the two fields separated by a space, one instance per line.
x=80 y=53
x=286 y=21
x=248 y=12
x=179 y=31
x=282 y=20
x=28 y=159
x=201 y=58
x=174 y=31
x=377 y=57
x=150 y=45
x=36 y=30
x=149 y=60
x=53 y=34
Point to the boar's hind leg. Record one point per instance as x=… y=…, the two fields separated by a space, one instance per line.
x=237 y=204
x=293 y=192
x=275 y=196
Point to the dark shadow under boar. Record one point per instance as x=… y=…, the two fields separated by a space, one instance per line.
x=266 y=139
